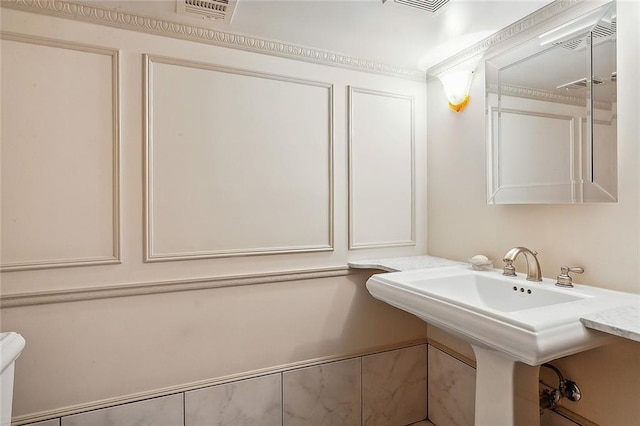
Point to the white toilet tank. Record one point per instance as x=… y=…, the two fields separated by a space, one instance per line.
x=11 y=345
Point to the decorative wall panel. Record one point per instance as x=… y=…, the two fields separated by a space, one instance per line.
x=381 y=169
x=60 y=154
x=237 y=162
x=528 y=166
x=541 y=158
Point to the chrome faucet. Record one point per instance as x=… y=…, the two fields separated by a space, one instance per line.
x=533 y=266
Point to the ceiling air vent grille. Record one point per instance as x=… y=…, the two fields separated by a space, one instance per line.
x=580 y=84
x=431 y=6
x=601 y=31
x=571 y=45
x=218 y=10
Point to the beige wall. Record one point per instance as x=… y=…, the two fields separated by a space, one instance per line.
x=61 y=207
x=85 y=352
x=81 y=353
x=603 y=238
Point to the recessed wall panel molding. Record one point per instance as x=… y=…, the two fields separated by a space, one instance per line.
x=60 y=154
x=538 y=165
x=237 y=162
x=381 y=169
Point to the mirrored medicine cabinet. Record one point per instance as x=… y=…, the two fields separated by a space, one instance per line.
x=551 y=115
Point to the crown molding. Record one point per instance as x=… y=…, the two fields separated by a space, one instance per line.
x=157 y=26
x=507 y=33
x=544 y=95
x=537 y=94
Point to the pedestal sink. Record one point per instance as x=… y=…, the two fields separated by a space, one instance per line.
x=513 y=326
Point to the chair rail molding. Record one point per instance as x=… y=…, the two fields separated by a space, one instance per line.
x=168 y=286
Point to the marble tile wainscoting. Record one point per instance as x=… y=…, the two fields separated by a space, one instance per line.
x=396 y=387
x=378 y=389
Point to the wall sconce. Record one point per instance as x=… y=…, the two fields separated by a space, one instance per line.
x=457 y=83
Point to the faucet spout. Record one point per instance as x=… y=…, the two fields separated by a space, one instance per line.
x=534 y=273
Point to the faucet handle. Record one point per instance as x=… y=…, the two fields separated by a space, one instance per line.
x=509 y=270
x=564 y=279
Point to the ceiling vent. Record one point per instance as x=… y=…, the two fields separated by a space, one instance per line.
x=218 y=10
x=580 y=84
x=431 y=6
x=600 y=33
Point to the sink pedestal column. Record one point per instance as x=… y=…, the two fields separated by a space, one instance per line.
x=506 y=390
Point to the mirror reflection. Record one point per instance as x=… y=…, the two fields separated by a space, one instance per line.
x=551 y=115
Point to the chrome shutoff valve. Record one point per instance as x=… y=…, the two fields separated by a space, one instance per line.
x=570 y=390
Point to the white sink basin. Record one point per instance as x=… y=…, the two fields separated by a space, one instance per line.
x=513 y=325
x=533 y=322
x=478 y=291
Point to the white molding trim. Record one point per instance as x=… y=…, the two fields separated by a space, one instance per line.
x=116 y=119
x=532 y=113
x=149 y=255
x=535 y=185
x=544 y=95
x=352 y=244
x=157 y=26
x=451 y=352
x=169 y=286
x=494 y=182
x=127 y=399
x=538 y=17
x=537 y=94
x=582 y=126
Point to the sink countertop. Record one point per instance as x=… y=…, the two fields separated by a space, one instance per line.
x=622 y=322
x=397 y=264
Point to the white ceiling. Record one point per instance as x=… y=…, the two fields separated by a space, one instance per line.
x=389 y=33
